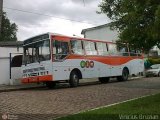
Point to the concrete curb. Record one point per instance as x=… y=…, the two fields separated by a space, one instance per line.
x=23 y=87
x=20 y=88
x=117 y=103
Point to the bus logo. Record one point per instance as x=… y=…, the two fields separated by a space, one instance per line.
x=87 y=64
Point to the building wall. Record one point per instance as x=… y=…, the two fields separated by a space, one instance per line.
x=5 y=64
x=6 y=50
x=103 y=33
x=4 y=71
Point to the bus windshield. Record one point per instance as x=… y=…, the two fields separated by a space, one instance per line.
x=36 y=52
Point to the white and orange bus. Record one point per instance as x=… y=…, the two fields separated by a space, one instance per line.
x=52 y=58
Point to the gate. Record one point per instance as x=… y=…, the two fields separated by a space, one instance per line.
x=15 y=68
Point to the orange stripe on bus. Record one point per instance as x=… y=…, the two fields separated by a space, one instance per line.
x=110 y=60
x=24 y=80
x=45 y=78
x=62 y=38
x=37 y=79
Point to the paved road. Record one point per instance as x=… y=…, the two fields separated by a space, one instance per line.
x=44 y=104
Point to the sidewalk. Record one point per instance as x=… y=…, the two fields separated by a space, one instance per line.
x=7 y=88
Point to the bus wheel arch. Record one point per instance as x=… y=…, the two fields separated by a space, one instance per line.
x=126 y=69
x=75 y=75
x=78 y=72
x=125 y=75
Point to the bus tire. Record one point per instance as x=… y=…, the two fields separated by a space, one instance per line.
x=74 y=79
x=125 y=75
x=104 y=79
x=158 y=74
x=51 y=84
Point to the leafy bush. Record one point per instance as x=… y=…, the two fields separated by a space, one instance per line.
x=154 y=60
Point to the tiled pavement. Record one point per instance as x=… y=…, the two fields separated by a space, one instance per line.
x=44 y=104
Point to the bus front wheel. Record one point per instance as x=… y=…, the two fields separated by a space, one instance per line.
x=74 y=79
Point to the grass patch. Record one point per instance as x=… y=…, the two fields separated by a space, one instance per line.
x=146 y=108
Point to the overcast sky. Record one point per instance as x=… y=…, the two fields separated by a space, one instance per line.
x=56 y=16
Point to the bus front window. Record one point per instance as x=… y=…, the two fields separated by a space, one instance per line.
x=44 y=51
x=36 y=52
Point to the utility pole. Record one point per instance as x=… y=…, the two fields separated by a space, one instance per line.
x=1 y=13
x=84 y=3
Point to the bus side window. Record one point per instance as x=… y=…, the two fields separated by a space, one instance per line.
x=139 y=52
x=90 y=48
x=112 y=48
x=123 y=49
x=60 y=49
x=76 y=47
x=102 y=48
x=135 y=52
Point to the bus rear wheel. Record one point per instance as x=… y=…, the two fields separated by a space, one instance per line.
x=125 y=75
x=74 y=79
x=158 y=74
x=104 y=79
x=51 y=84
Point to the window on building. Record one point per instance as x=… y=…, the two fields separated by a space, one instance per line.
x=60 y=49
x=76 y=47
x=102 y=48
x=90 y=48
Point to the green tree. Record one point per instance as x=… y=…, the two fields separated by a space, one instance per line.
x=138 y=21
x=8 y=29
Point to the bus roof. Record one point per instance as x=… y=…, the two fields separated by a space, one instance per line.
x=79 y=38
x=64 y=36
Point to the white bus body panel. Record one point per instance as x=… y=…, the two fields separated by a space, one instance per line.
x=62 y=70
x=47 y=65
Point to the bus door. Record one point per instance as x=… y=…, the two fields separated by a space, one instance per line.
x=60 y=51
x=138 y=64
x=120 y=58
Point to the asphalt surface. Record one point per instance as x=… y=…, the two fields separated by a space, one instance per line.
x=43 y=104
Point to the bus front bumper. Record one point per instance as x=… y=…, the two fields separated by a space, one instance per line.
x=36 y=79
